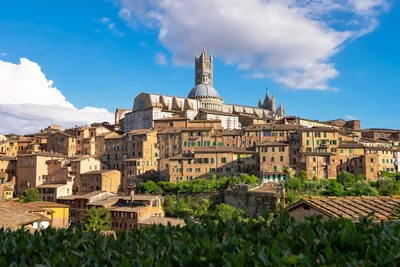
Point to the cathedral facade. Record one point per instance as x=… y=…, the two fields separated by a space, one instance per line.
x=202 y=103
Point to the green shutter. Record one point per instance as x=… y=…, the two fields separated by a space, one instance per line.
x=214 y=143
x=185 y=144
x=198 y=143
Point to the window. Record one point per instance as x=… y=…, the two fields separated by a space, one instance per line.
x=263 y=159
x=212 y=160
x=198 y=143
x=281 y=158
x=223 y=160
x=185 y=144
x=350 y=150
x=273 y=149
x=308 y=142
x=272 y=159
x=308 y=134
x=341 y=151
x=324 y=134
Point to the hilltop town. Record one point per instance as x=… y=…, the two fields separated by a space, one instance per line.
x=179 y=139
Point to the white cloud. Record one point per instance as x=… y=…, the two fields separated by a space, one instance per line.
x=105 y=20
x=286 y=39
x=161 y=59
x=30 y=102
x=350 y=117
x=124 y=13
x=3 y=54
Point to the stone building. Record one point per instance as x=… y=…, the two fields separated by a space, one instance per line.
x=268 y=197
x=273 y=160
x=60 y=142
x=203 y=102
x=207 y=161
x=101 y=180
x=31 y=168
x=8 y=169
x=83 y=164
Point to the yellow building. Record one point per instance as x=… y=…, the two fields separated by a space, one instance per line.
x=31 y=168
x=56 y=212
x=8 y=168
x=104 y=180
x=8 y=193
x=62 y=143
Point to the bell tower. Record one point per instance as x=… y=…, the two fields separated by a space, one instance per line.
x=203 y=69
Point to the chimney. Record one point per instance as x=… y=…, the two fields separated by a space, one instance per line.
x=2 y=199
x=132 y=196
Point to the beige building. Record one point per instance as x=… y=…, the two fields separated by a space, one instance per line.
x=273 y=159
x=31 y=168
x=62 y=143
x=8 y=148
x=83 y=164
x=51 y=191
x=102 y=180
x=205 y=162
x=142 y=157
x=86 y=139
x=8 y=169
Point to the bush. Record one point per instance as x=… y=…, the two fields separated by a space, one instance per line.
x=334 y=188
x=294 y=184
x=303 y=175
x=386 y=187
x=30 y=195
x=150 y=187
x=310 y=185
x=97 y=219
x=323 y=183
x=346 y=179
x=362 y=188
x=277 y=242
x=225 y=212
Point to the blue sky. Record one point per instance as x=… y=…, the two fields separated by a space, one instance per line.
x=103 y=53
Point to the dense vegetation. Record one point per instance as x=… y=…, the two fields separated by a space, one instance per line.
x=257 y=242
x=97 y=219
x=346 y=184
x=29 y=195
x=200 y=185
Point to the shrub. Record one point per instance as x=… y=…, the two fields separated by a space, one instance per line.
x=323 y=183
x=362 y=188
x=273 y=242
x=346 y=179
x=310 y=185
x=225 y=212
x=303 y=175
x=334 y=188
x=29 y=195
x=294 y=184
x=97 y=219
x=150 y=187
x=386 y=186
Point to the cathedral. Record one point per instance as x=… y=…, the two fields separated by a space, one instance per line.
x=202 y=103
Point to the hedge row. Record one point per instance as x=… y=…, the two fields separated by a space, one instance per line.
x=277 y=242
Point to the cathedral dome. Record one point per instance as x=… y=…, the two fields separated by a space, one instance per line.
x=203 y=90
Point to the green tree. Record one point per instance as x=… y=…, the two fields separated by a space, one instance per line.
x=225 y=212
x=346 y=179
x=362 y=188
x=334 y=188
x=303 y=175
x=150 y=187
x=294 y=184
x=97 y=219
x=248 y=179
x=30 y=195
x=386 y=187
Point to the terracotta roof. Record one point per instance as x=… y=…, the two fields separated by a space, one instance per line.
x=141 y=131
x=47 y=204
x=6 y=158
x=86 y=196
x=12 y=217
x=81 y=158
x=50 y=185
x=351 y=145
x=268 y=144
x=162 y=221
x=99 y=172
x=318 y=129
x=221 y=149
x=44 y=154
x=352 y=207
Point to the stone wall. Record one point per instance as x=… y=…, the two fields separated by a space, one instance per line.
x=267 y=196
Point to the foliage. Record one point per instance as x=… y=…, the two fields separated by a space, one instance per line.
x=294 y=184
x=389 y=174
x=150 y=187
x=303 y=175
x=249 y=179
x=362 y=188
x=346 y=179
x=334 y=188
x=183 y=207
x=292 y=197
x=266 y=242
x=386 y=186
x=225 y=212
x=323 y=183
x=30 y=195
x=97 y=219
x=310 y=185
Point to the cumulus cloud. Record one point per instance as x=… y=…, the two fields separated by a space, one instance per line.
x=350 y=117
x=292 y=41
x=3 y=54
x=29 y=101
x=161 y=59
